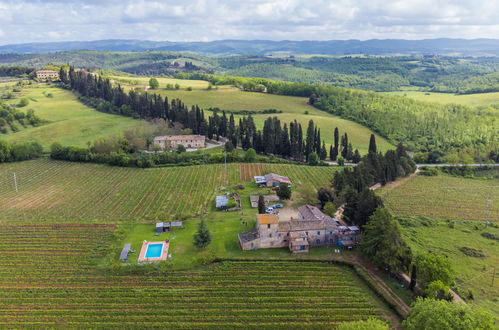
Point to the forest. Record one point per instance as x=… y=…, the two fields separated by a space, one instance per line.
x=374 y=73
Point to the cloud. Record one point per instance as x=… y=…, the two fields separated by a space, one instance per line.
x=182 y=20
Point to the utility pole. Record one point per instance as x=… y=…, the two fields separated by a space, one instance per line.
x=225 y=167
x=15 y=181
x=493 y=277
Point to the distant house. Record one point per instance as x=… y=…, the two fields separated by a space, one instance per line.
x=168 y=142
x=47 y=74
x=312 y=228
x=271 y=180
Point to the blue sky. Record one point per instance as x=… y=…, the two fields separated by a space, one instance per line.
x=204 y=20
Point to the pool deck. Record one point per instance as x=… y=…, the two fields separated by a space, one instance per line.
x=143 y=250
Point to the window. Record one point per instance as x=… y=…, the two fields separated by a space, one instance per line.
x=318 y=233
x=285 y=241
x=270 y=235
x=287 y=234
x=318 y=241
x=306 y=233
x=330 y=233
x=268 y=226
x=302 y=247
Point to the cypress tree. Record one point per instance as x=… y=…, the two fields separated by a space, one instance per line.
x=202 y=237
x=331 y=153
x=261 y=205
x=372 y=144
x=310 y=143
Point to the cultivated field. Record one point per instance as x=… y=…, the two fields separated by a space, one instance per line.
x=292 y=107
x=68 y=121
x=445 y=197
x=474 y=272
x=64 y=191
x=144 y=81
x=466 y=99
x=49 y=278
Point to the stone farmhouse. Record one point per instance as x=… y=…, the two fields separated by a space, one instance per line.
x=271 y=180
x=47 y=74
x=312 y=228
x=168 y=142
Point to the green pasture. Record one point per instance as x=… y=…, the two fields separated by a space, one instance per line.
x=67 y=120
x=466 y=99
x=163 y=81
x=294 y=108
x=445 y=197
x=448 y=238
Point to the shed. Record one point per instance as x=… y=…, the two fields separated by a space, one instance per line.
x=260 y=180
x=162 y=227
x=125 y=251
x=221 y=201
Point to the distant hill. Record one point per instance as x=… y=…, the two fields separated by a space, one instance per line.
x=443 y=46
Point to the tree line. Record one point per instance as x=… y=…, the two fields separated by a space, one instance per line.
x=275 y=138
x=13 y=152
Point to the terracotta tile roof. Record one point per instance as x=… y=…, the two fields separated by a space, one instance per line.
x=179 y=137
x=277 y=177
x=266 y=219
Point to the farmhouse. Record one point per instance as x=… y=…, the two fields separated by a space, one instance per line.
x=271 y=180
x=312 y=228
x=47 y=74
x=173 y=141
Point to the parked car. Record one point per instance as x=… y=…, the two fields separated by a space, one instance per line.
x=278 y=205
x=270 y=209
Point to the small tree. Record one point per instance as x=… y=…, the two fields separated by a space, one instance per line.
x=153 y=83
x=329 y=209
x=432 y=267
x=261 y=205
x=341 y=161
x=202 y=237
x=229 y=146
x=284 y=192
x=177 y=86
x=250 y=155
x=308 y=194
x=180 y=148
x=372 y=144
x=313 y=159
x=438 y=290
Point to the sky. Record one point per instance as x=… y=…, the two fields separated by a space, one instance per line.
x=206 y=20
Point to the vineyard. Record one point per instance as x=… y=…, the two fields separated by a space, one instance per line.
x=445 y=197
x=49 y=278
x=64 y=191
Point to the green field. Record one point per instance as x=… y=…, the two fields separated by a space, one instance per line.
x=63 y=287
x=68 y=121
x=473 y=273
x=292 y=107
x=144 y=81
x=465 y=99
x=63 y=191
x=445 y=197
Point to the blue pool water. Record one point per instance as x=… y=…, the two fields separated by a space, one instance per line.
x=154 y=250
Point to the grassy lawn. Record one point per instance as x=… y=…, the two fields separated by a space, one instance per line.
x=292 y=107
x=144 y=81
x=68 y=121
x=467 y=99
x=473 y=273
x=444 y=197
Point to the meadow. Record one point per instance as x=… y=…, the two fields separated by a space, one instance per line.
x=55 y=191
x=445 y=197
x=64 y=287
x=478 y=99
x=474 y=271
x=131 y=81
x=67 y=120
x=293 y=108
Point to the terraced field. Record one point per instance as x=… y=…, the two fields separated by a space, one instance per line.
x=48 y=277
x=63 y=191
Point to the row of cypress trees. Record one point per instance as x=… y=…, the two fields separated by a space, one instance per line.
x=283 y=140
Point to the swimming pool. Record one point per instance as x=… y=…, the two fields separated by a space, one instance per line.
x=154 y=250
